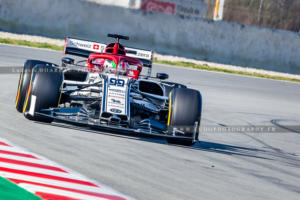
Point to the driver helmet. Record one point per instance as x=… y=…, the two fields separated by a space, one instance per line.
x=109 y=66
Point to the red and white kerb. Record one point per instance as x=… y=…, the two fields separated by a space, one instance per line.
x=47 y=179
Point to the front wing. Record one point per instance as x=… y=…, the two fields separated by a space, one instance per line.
x=86 y=122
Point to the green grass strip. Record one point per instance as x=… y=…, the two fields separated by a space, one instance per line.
x=181 y=64
x=31 y=44
x=210 y=68
x=11 y=191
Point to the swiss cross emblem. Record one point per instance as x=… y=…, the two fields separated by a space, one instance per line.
x=96 y=46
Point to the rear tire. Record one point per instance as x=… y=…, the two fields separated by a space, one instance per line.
x=44 y=91
x=24 y=80
x=185 y=113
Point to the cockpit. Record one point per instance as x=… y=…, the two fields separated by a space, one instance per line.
x=122 y=66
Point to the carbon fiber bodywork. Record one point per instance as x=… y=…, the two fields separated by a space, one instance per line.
x=83 y=122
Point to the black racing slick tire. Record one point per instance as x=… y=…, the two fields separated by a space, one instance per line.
x=185 y=107
x=24 y=80
x=44 y=91
x=169 y=86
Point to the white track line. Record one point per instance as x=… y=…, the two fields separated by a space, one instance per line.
x=39 y=170
x=50 y=182
x=35 y=188
x=36 y=161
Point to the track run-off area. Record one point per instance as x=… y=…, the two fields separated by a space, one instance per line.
x=235 y=164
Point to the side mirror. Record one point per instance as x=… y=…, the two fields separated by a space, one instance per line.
x=66 y=60
x=162 y=76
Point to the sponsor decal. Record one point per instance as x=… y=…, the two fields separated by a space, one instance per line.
x=103 y=48
x=115 y=110
x=76 y=43
x=183 y=10
x=116 y=94
x=143 y=55
x=158 y=6
x=138 y=53
x=191 y=8
x=116 y=101
x=96 y=46
x=116 y=82
x=86 y=45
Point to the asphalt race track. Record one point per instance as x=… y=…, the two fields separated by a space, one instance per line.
x=223 y=165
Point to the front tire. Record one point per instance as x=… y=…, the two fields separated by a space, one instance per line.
x=24 y=80
x=185 y=107
x=44 y=91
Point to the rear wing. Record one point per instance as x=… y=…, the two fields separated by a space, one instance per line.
x=84 y=48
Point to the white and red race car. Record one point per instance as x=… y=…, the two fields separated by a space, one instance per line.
x=107 y=91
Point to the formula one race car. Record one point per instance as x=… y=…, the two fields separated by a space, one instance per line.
x=109 y=92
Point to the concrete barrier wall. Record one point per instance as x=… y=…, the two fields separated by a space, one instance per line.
x=194 y=38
